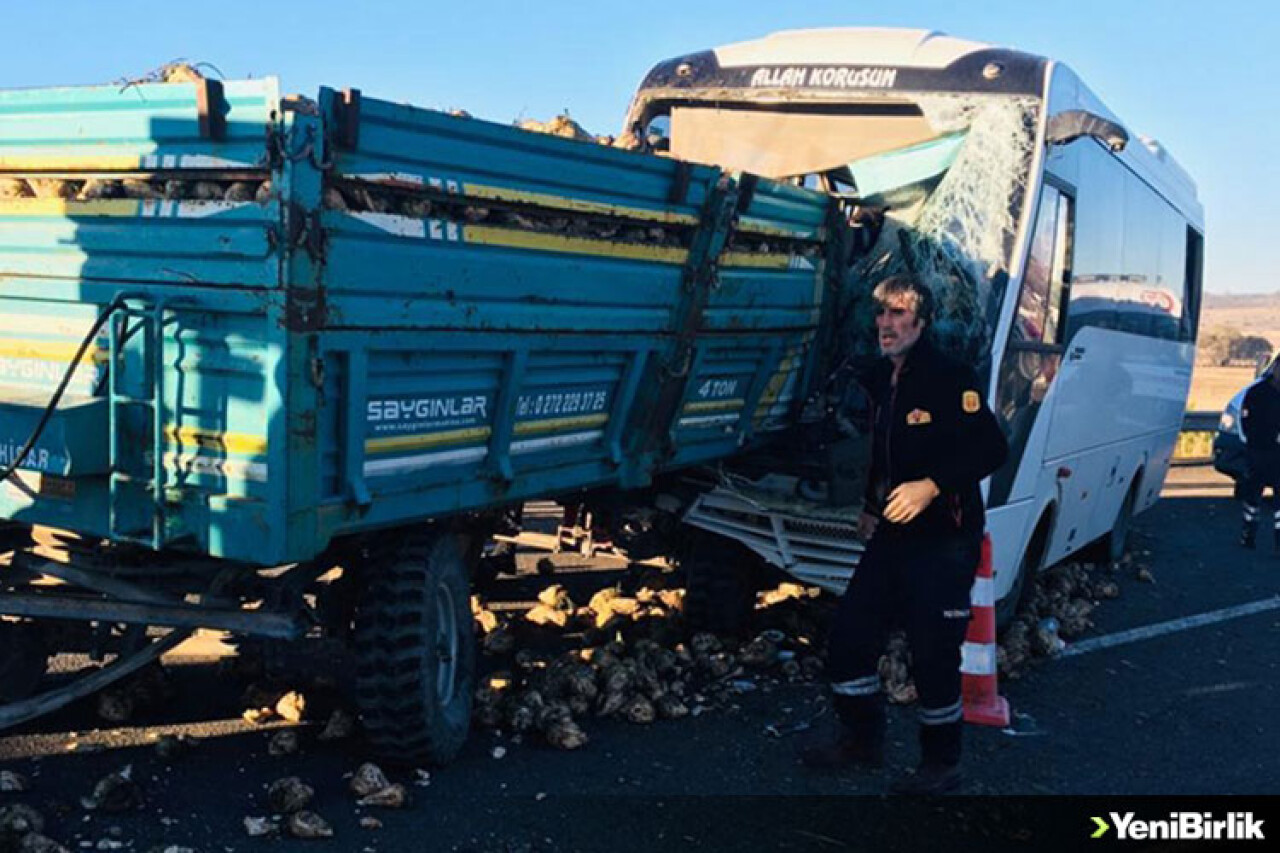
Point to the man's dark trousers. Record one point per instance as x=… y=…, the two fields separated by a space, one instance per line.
x=921 y=585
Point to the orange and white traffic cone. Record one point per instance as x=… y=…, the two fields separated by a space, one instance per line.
x=983 y=703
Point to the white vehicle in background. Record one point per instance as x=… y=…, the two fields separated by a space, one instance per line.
x=1066 y=256
x=1229 y=442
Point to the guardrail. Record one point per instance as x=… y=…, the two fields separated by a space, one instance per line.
x=1195 y=442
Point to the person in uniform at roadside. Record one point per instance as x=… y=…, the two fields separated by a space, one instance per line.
x=934 y=439
x=1260 y=421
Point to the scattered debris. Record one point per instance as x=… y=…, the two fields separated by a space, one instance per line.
x=639 y=710
x=12 y=782
x=307 y=824
x=543 y=615
x=391 y=797
x=369 y=779
x=1108 y=589
x=284 y=742
x=290 y=795
x=258 y=716
x=115 y=707
x=34 y=842
x=369 y=822
x=499 y=643
x=18 y=819
x=149 y=688
x=565 y=734
x=1045 y=641
x=340 y=726
x=1059 y=609
x=291 y=707
x=561 y=125
x=486 y=620
x=260 y=827
x=894 y=668
x=115 y=793
x=671 y=707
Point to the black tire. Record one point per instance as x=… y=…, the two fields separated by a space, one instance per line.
x=722 y=578
x=1117 y=541
x=1032 y=561
x=415 y=649
x=1111 y=546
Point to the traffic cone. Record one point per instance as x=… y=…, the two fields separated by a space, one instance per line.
x=983 y=703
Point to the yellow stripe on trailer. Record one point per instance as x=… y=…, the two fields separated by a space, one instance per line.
x=759 y=261
x=70 y=207
x=232 y=442
x=475 y=434
x=483 y=235
x=70 y=163
x=557 y=424
x=417 y=442
x=123 y=208
x=577 y=205
x=751 y=225
x=776 y=383
x=48 y=351
x=714 y=405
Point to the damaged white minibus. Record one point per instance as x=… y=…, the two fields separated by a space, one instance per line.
x=1064 y=249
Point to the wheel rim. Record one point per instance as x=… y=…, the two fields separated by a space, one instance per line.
x=446 y=645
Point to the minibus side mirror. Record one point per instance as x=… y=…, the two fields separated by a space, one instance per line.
x=1071 y=125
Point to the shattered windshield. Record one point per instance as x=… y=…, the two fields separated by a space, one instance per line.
x=935 y=186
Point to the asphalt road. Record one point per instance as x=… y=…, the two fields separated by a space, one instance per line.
x=1189 y=712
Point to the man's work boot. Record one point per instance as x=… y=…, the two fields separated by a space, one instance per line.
x=940 y=744
x=928 y=780
x=855 y=739
x=842 y=749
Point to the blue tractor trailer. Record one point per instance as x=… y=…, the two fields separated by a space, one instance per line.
x=248 y=337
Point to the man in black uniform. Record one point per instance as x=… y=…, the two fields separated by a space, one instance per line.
x=1260 y=420
x=933 y=442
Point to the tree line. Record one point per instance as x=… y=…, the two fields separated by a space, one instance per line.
x=1224 y=345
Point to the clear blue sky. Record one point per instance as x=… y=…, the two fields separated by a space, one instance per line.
x=1200 y=76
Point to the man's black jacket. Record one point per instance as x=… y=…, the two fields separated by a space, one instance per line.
x=934 y=423
x=1260 y=419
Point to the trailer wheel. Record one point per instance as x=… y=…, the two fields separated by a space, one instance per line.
x=721 y=580
x=415 y=649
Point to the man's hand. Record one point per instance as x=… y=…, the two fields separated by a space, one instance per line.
x=867 y=525
x=909 y=500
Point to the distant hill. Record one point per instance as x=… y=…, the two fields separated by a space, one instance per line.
x=1243 y=300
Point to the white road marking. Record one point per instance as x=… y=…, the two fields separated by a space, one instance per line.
x=1173 y=626
x=1214 y=689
